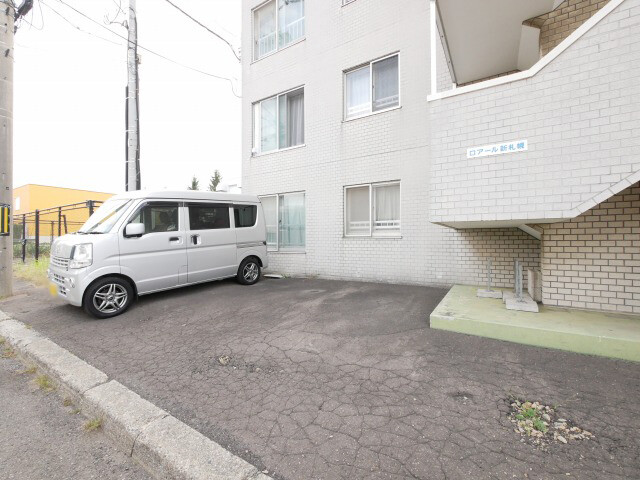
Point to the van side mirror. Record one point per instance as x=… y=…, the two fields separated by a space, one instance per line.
x=134 y=230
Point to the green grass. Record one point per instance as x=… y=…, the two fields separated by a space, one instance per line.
x=28 y=371
x=8 y=353
x=45 y=383
x=93 y=424
x=32 y=271
x=539 y=425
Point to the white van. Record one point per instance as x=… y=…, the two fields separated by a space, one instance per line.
x=144 y=242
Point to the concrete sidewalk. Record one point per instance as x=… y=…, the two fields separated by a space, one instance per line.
x=44 y=440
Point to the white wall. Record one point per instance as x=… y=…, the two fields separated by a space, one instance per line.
x=386 y=146
x=580 y=115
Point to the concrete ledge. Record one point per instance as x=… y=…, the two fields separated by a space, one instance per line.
x=166 y=447
x=16 y=332
x=175 y=450
x=593 y=333
x=69 y=371
x=124 y=413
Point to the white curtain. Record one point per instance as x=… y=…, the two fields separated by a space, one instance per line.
x=387 y=207
x=358 y=211
x=270 y=208
x=295 y=118
x=358 y=92
x=291 y=118
x=290 y=21
x=269 y=124
x=292 y=221
x=385 y=83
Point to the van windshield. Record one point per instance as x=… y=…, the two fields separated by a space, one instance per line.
x=105 y=217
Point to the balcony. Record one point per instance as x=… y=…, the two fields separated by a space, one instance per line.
x=528 y=129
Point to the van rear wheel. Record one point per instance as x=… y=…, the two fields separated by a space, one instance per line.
x=249 y=271
x=108 y=297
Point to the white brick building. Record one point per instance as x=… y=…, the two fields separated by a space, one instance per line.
x=366 y=153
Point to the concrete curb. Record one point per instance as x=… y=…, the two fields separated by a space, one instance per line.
x=165 y=446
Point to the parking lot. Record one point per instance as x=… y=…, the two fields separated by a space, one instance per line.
x=310 y=378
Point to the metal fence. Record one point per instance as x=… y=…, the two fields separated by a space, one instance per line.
x=34 y=232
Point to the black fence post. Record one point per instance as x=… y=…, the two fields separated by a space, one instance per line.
x=37 y=252
x=24 y=237
x=59 y=221
x=51 y=237
x=90 y=202
x=66 y=229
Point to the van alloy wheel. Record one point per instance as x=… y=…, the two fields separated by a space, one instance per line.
x=251 y=272
x=110 y=298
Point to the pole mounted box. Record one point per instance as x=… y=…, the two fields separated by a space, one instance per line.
x=5 y=219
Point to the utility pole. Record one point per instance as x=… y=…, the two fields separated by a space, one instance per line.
x=6 y=141
x=132 y=173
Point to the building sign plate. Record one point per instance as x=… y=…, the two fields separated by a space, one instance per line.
x=498 y=149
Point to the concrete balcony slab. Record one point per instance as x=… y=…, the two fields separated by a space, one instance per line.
x=580 y=331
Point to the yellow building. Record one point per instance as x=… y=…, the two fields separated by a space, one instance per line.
x=28 y=198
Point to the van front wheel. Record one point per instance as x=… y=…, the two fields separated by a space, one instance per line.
x=249 y=271
x=108 y=297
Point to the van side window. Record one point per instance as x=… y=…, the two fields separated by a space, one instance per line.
x=208 y=217
x=245 y=216
x=158 y=217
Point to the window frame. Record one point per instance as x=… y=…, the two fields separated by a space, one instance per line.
x=278 y=248
x=370 y=111
x=256 y=148
x=372 y=211
x=277 y=31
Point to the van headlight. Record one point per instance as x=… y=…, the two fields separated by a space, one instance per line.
x=81 y=255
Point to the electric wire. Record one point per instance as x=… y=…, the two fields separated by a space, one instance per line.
x=152 y=52
x=204 y=26
x=77 y=27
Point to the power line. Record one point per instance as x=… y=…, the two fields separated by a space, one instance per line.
x=203 y=26
x=159 y=55
x=77 y=27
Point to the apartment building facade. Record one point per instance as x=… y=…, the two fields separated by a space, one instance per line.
x=410 y=141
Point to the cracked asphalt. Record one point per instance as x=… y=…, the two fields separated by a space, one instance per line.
x=345 y=380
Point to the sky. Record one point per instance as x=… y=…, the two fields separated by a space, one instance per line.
x=69 y=95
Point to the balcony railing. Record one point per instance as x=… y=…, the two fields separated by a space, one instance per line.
x=292 y=32
x=270 y=42
x=266 y=44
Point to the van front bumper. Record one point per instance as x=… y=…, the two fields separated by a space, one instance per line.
x=67 y=284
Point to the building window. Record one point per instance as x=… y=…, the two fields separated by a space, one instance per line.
x=279 y=122
x=372 y=209
x=372 y=88
x=276 y=24
x=285 y=219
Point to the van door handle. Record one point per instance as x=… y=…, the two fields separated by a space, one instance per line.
x=195 y=239
x=175 y=239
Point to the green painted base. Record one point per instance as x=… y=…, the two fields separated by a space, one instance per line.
x=592 y=333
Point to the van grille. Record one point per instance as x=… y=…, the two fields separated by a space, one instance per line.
x=59 y=279
x=60 y=262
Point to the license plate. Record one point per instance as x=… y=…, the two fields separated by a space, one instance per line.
x=53 y=289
